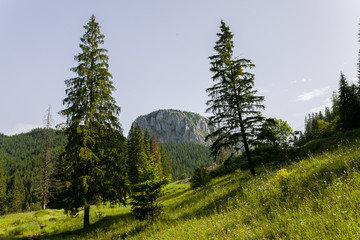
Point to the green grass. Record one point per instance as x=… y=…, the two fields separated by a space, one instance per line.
x=319 y=199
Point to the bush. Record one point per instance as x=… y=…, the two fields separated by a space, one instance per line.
x=183 y=176
x=200 y=178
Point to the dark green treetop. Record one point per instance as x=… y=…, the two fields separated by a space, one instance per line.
x=3 y=200
x=136 y=153
x=349 y=105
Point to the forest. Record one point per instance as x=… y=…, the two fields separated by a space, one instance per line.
x=22 y=160
x=264 y=166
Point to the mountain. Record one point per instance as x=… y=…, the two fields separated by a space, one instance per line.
x=171 y=126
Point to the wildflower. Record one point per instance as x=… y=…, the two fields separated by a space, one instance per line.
x=282 y=176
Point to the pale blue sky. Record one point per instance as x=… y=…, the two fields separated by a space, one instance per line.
x=159 y=53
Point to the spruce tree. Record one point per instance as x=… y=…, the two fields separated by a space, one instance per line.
x=90 y=159
x=358 y=89
x=3 y=198
x=147 y=143
x=14 y=196
x=144 y=195
x=233 y=103
x=136 y=154
x=156 y=155
x=165 y=163
x=348 y=105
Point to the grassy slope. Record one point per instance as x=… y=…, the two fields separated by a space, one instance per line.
x=320 y=200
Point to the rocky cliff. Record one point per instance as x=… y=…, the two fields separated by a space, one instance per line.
x=175 y=126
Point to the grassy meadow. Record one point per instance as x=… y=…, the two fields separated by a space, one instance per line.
x=317 y=197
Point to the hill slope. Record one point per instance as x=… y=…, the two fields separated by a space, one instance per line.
x=175 y=126
x=317 y=199
x=21 y=157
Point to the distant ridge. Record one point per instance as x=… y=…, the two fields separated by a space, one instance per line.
x=171 y=126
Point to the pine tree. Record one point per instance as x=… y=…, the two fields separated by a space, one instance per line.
x=358 y=89
x=136 y=154
x=3 y=198
x=233 y=103
x=14 y=196
x=91 y=124
x=348 y=105
x=165 y=162
x=147 y=143
x=156 y=155
x=144 y=204
x=200 y=178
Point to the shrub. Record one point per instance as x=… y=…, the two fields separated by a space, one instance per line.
x=200 y=178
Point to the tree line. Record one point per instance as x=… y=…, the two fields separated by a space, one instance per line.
x=343 y=115
x=22 y=160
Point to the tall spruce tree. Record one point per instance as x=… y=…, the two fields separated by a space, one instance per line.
x=233 y=103
x=92 y=156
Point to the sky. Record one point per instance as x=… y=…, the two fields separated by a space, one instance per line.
x=159 y=49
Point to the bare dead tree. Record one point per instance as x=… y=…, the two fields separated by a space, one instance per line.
x=46 y=163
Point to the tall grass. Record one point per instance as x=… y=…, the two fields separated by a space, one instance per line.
x=317 y=198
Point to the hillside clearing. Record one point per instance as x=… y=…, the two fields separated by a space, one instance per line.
x=320 y=200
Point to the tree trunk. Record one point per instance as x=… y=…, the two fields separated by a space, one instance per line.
x=244 y=138
x=43 y=203
x=86 y=216
x=243 y=133
x=247 y=151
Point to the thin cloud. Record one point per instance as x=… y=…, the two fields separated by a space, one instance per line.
x=306 y=96
x=303 y=80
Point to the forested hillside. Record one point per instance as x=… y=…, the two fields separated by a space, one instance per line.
x=22 y=157
x=186 y=157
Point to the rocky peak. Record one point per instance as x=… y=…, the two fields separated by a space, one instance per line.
x=175 y=126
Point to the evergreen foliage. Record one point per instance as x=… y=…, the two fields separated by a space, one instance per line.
x=3 y=200
x=14 y=198
x=349 y=105
x=155 y=150
x=148 y=175
x=186 y=157
x=165 y=162
x=87 y=165
x=200 y=178
x=344 y=115
x=136 y=153
x=144 y=204
x=233 y=102
x=22 y=157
